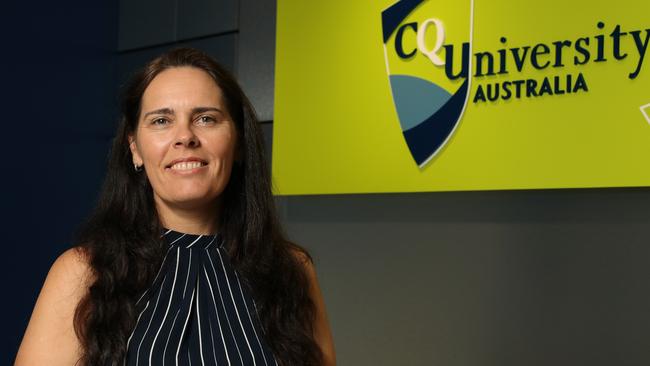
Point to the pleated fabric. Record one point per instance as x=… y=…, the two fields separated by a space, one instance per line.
x=197 y=311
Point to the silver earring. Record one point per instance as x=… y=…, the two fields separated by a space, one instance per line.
x=138 y=168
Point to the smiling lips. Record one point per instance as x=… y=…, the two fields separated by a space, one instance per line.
x=186 y=164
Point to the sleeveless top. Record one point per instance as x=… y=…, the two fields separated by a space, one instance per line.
x=197 y=310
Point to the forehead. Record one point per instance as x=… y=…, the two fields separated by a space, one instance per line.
x=182 y=87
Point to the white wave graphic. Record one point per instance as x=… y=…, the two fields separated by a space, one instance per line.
x=645 y=110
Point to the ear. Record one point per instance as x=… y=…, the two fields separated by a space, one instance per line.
x=137 y=159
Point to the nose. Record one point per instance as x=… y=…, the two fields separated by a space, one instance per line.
x=185 y=136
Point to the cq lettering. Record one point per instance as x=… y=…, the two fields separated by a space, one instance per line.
x=421 y=33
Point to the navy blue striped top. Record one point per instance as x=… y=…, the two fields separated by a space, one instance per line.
x=197 y=311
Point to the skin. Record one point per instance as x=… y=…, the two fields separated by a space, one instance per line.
x=182 y=115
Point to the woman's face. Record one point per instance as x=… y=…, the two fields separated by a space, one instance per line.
x=185 y=138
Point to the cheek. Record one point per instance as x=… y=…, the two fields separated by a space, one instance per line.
x=153 y=151
x=224 y=149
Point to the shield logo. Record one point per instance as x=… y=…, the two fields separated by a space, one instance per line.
x=427 y=47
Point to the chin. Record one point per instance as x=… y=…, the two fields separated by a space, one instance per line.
x=193 y=200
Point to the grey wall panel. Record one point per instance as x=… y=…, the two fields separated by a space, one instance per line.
x=256 y=63
x=488 y=278
x=596 y=206
x=129 y=62
x=200 y=18
x=222 y=48
x=145 y=23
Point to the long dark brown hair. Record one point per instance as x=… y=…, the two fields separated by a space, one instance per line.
x=124 y=249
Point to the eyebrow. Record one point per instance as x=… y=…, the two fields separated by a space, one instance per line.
x=195 y=110
x=205 y=109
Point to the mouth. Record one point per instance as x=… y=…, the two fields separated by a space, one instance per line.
x=186 y=165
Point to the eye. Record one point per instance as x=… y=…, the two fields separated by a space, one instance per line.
x=159 y=121
x=206 y=119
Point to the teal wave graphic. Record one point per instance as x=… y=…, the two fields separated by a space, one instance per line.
x=416 y=99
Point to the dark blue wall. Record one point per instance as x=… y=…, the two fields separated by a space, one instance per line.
x=58 y=67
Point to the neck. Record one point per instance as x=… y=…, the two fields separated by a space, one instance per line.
x=190 y=220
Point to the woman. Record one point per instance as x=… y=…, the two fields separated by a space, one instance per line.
x=183 y=261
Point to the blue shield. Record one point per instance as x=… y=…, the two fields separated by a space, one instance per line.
x=427 y=46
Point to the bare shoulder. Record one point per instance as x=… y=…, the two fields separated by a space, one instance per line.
x=72 y=266
x=50 y=337
x=68 y=278
x=322 y=330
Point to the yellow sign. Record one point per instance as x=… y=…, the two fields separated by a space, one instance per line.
x=426 y=95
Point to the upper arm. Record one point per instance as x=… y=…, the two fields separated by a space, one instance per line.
x=322 y=331
x=50 y=338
